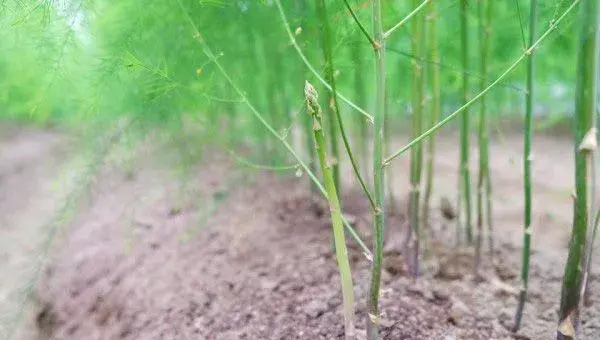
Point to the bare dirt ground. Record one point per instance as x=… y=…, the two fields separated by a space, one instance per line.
x=216 y=251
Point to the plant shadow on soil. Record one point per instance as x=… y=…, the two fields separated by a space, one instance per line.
x=262 y=267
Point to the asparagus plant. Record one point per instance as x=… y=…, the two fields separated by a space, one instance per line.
x=586 y=104
x=434 y=109
x=527 y=157
x=416 y=160
x=378 y=174
x=464 y=192
x=341 y=250
x=485 y=16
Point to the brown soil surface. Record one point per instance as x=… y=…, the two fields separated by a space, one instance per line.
x=216 y=251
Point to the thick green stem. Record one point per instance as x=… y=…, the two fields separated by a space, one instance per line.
x=484 y=33
x=585 y=144
x=416 y=159
x=527 y=157
x=434 y=112
x=465 y=183
x=341 y=250
x=378 y=176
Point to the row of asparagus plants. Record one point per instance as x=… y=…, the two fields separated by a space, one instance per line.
x=269 y=89
x=568 y=321
x=264 y=88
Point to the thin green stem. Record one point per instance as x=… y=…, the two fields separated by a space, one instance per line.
x=521 y=24
x=341 y=250
x=434 y=111
x=586 y=104
x=378 y=177
x=256 y=166
x=458 y=70
x=527 y=157
x=473 y=100
x=465 y=184
x=360 y=26
x=208 y=52
x=309 y=65
x=416 y=159
x=485 y=28
x=405 y=19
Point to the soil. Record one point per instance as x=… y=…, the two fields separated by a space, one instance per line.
x=216 y=251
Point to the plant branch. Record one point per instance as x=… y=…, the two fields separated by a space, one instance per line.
x=362 y=28
x=406 y=18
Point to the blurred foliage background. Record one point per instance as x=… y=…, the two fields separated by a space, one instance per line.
x=79 y=61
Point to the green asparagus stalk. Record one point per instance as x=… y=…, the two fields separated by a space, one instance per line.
x=378 y=174
x=434 y=111
x=416 y=159
x=484 y=32
x=585 y=144
x=465 y=182
x=341 y=250
x=527 y=171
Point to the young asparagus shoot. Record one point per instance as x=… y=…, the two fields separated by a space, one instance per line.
x=464 y=190
x=527 y=157
x=586 y=104
x=434 y=109
x=378 y=176
x=341 y=251
x=416 y=159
